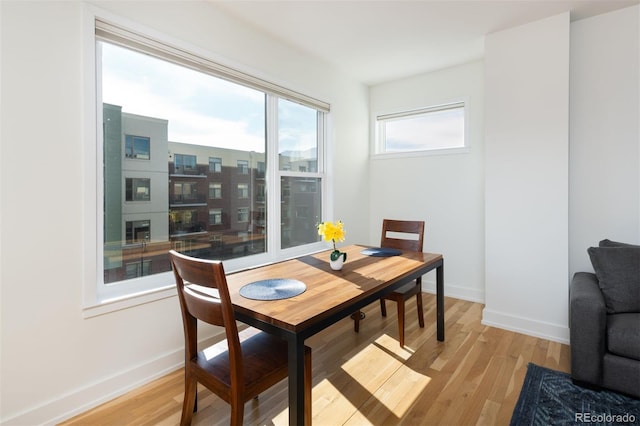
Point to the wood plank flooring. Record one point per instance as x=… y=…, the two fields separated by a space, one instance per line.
x=473 y=378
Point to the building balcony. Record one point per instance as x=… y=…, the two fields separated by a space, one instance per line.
x=187 y=200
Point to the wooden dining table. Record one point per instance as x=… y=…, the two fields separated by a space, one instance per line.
x=329 y=297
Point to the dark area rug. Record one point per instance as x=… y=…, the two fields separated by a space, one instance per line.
x=549 y=397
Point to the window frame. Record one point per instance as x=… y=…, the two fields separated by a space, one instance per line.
x=377 y=120
x=97 y=301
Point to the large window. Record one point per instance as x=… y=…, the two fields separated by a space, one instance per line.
x=199 y=126
x=429 y=129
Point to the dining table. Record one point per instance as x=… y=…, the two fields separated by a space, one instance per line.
x=327 y=296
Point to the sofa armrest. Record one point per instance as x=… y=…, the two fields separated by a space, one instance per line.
x=588 y=323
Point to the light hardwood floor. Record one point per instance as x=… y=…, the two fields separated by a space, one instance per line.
x=473 y=378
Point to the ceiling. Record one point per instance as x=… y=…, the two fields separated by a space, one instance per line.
x=378 y=41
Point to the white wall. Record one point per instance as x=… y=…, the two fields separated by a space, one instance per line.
x=446 y=191
x=54 y=362
x=601 y=168
x=604 y=190
x=526 y=178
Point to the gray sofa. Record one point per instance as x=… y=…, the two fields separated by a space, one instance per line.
x=605 y=320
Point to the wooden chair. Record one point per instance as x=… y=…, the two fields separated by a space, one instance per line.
x=240 y=367
x=415 y=228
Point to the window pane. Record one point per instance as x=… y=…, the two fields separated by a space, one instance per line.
x=137 y=189
x=297 y=137
x=215 y=165
x=195 y=132
x=300 y=210
x=429 y=130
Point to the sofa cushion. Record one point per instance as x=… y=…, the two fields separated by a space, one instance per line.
x=623 y=335
x=618 y=273
x=609 y=243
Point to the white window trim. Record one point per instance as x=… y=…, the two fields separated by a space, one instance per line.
x=377 y=142
x=96 y=302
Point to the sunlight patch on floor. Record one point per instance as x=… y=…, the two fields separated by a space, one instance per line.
x=369 y=382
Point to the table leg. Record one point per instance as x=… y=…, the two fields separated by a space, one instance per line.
x=440 y=301
x=296 y=382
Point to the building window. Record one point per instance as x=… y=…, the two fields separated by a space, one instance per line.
x=243 y=214
x=137 y=189
x=243 y=190
x=138 y=269
x=261 y=195
x=261 y=169
x=185 y=164
x=215 y=191
x=215 y=165
x=184 y=221
x=215 y=217
x=138 y=231
x=138 y=147
x=429 y=129
x=185 y=192
x=187 y=155
x=243 y=167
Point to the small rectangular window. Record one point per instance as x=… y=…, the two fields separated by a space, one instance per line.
x=243 y=190
x=243 y=214
x=137 y=189
x=215 y=165
x=215 y=191
x=428 y=129
x=215 y=217
x=138 y=231
x=243 y=167
x=138 y=147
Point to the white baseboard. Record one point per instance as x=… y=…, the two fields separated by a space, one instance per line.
x=528 y=326
x=457 y=292
x=83 y=399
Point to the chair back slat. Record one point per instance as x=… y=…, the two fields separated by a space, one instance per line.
x=203 y=306
x=402 y=234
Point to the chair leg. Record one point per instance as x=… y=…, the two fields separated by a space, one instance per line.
x=383 y=308
x=420 y=310
x=307 y=384
x=188 y=405
x=237 y=412
x=356 y=321
x=400 y=304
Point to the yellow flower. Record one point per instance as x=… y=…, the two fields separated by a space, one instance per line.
x=331 y=231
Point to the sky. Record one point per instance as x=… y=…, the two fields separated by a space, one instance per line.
x=200 y=109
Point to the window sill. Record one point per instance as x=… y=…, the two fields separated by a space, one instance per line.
x=128 y=301
x=413 y=154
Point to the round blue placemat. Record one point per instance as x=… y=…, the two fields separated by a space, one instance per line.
x=381 y=251
x=273 y=289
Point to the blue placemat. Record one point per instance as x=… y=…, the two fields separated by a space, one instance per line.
x=273 y=289
x=381 y=251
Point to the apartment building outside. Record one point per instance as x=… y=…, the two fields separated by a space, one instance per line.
x=205 y=201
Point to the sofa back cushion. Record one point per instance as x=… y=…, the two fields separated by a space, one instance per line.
x=609 y=243
x=618 y=271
